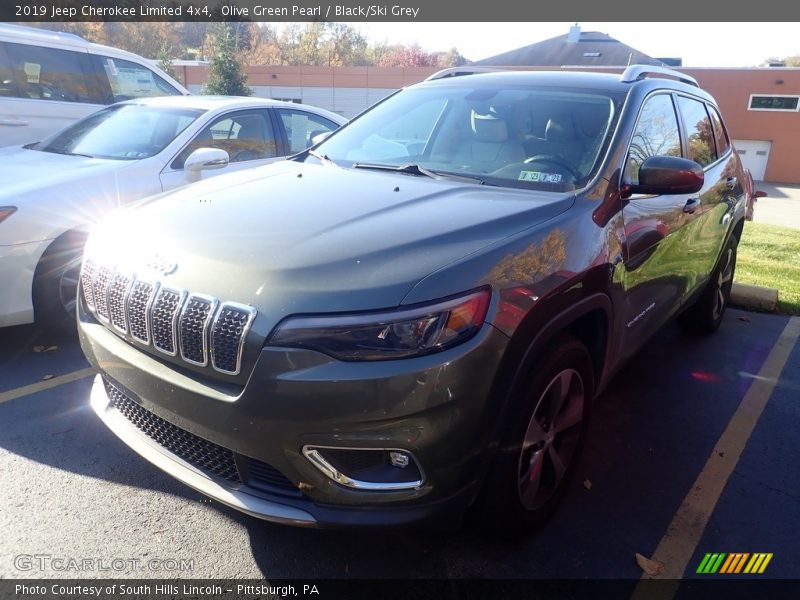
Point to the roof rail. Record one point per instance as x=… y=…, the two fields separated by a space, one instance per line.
x=459 y=71
x=637 y=72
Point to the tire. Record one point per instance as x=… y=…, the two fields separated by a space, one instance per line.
x=546 y=427
x=705 y=315
x=55 y=285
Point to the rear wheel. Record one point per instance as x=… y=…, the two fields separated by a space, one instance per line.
x=705 y=315
x=547 y=425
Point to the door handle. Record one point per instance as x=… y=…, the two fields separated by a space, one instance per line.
x=692 y=204
x=731 y=182
x=13 y=123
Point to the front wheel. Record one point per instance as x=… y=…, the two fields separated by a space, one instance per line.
x=705 y=315
x=545 y=433
x=55 y=285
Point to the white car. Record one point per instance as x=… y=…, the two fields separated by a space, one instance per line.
x=55 y=189
x=49 y=80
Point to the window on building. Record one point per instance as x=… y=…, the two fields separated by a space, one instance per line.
x=774 y=102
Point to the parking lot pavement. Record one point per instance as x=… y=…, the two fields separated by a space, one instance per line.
x=780 y=207
x=72 y=490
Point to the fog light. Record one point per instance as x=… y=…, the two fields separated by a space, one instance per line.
x=376 y=469
x=399 y=459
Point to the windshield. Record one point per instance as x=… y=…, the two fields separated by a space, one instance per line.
x=531 y=137
x=122 y=132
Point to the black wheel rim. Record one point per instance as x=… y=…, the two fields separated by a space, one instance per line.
x=551 y=439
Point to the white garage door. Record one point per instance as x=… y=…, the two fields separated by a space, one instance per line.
x=754 y=155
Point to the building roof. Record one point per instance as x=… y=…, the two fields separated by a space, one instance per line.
x=584 y=48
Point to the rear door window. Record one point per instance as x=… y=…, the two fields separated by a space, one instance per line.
x=301 y=127
x=41 y=73
x=719 y=131
x=699 y=133
x=130 y=80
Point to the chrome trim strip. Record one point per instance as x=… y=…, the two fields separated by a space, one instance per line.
x=174 y=322
x=111 y=270
x=316 y=459
x=205 y=333
x=131 y=279
x=184 y=472
x=148 y=306
x=251 y=316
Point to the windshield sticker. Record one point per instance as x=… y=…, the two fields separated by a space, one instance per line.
x=539 y=176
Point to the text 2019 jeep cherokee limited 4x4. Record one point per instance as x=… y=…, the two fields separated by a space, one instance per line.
x=412 y=318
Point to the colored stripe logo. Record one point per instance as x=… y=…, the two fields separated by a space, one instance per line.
x=733 y=563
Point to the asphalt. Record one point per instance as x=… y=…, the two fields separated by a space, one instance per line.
x=780 y=207
x=70 y=489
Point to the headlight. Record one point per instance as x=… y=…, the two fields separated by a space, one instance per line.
x=6 y=211
x=388 y=335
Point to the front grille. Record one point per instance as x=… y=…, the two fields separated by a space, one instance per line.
x=146 y=312
x=228 y=335
x=138 y=306
x=163 y=319
x=87 y=280
x=99 y=288
x=207 y=456
x=116 y=301
x=192 y=328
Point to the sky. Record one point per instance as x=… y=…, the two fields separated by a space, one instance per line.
x=699 y=44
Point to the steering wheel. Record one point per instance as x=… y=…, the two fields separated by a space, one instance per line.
x=555 y=161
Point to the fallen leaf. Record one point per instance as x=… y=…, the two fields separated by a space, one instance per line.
x=38 y=348
x=51 y=349
x=651 y=567
x=304 y=487
x=46 y=377
x=587 y=484
x=745 y=319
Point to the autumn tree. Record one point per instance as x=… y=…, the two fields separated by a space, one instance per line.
x=225 y=73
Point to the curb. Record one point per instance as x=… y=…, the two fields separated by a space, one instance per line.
x=754 y=297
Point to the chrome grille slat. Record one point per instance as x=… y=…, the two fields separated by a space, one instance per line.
x=117 y=295
x=227 y=336
x=138 y=306
x=193 y=328
x=87 y=281
x=164 y=319
x=99 y=291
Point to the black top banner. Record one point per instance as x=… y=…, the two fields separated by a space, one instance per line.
x=399 y=10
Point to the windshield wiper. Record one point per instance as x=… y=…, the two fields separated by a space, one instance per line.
x=415 y=169
x=66 y=153
x=323 y=158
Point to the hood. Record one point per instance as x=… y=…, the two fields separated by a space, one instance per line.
x=23 y=171
x=300 y=238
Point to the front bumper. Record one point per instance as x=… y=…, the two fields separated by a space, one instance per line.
x=438 y=407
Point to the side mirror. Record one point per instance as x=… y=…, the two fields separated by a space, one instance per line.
x=204 y=159
x=664 y=175
x=319 y=136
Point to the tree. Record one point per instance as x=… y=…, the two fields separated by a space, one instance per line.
x=406 y=56
x=225 y=74
x=165 y=61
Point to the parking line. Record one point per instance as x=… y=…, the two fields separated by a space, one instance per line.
x=45 y=385
x=679 y=543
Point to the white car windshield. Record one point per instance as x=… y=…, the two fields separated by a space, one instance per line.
x=121 y=132
x=529 y=137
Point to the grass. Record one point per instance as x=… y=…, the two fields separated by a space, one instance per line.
x=769 y=255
